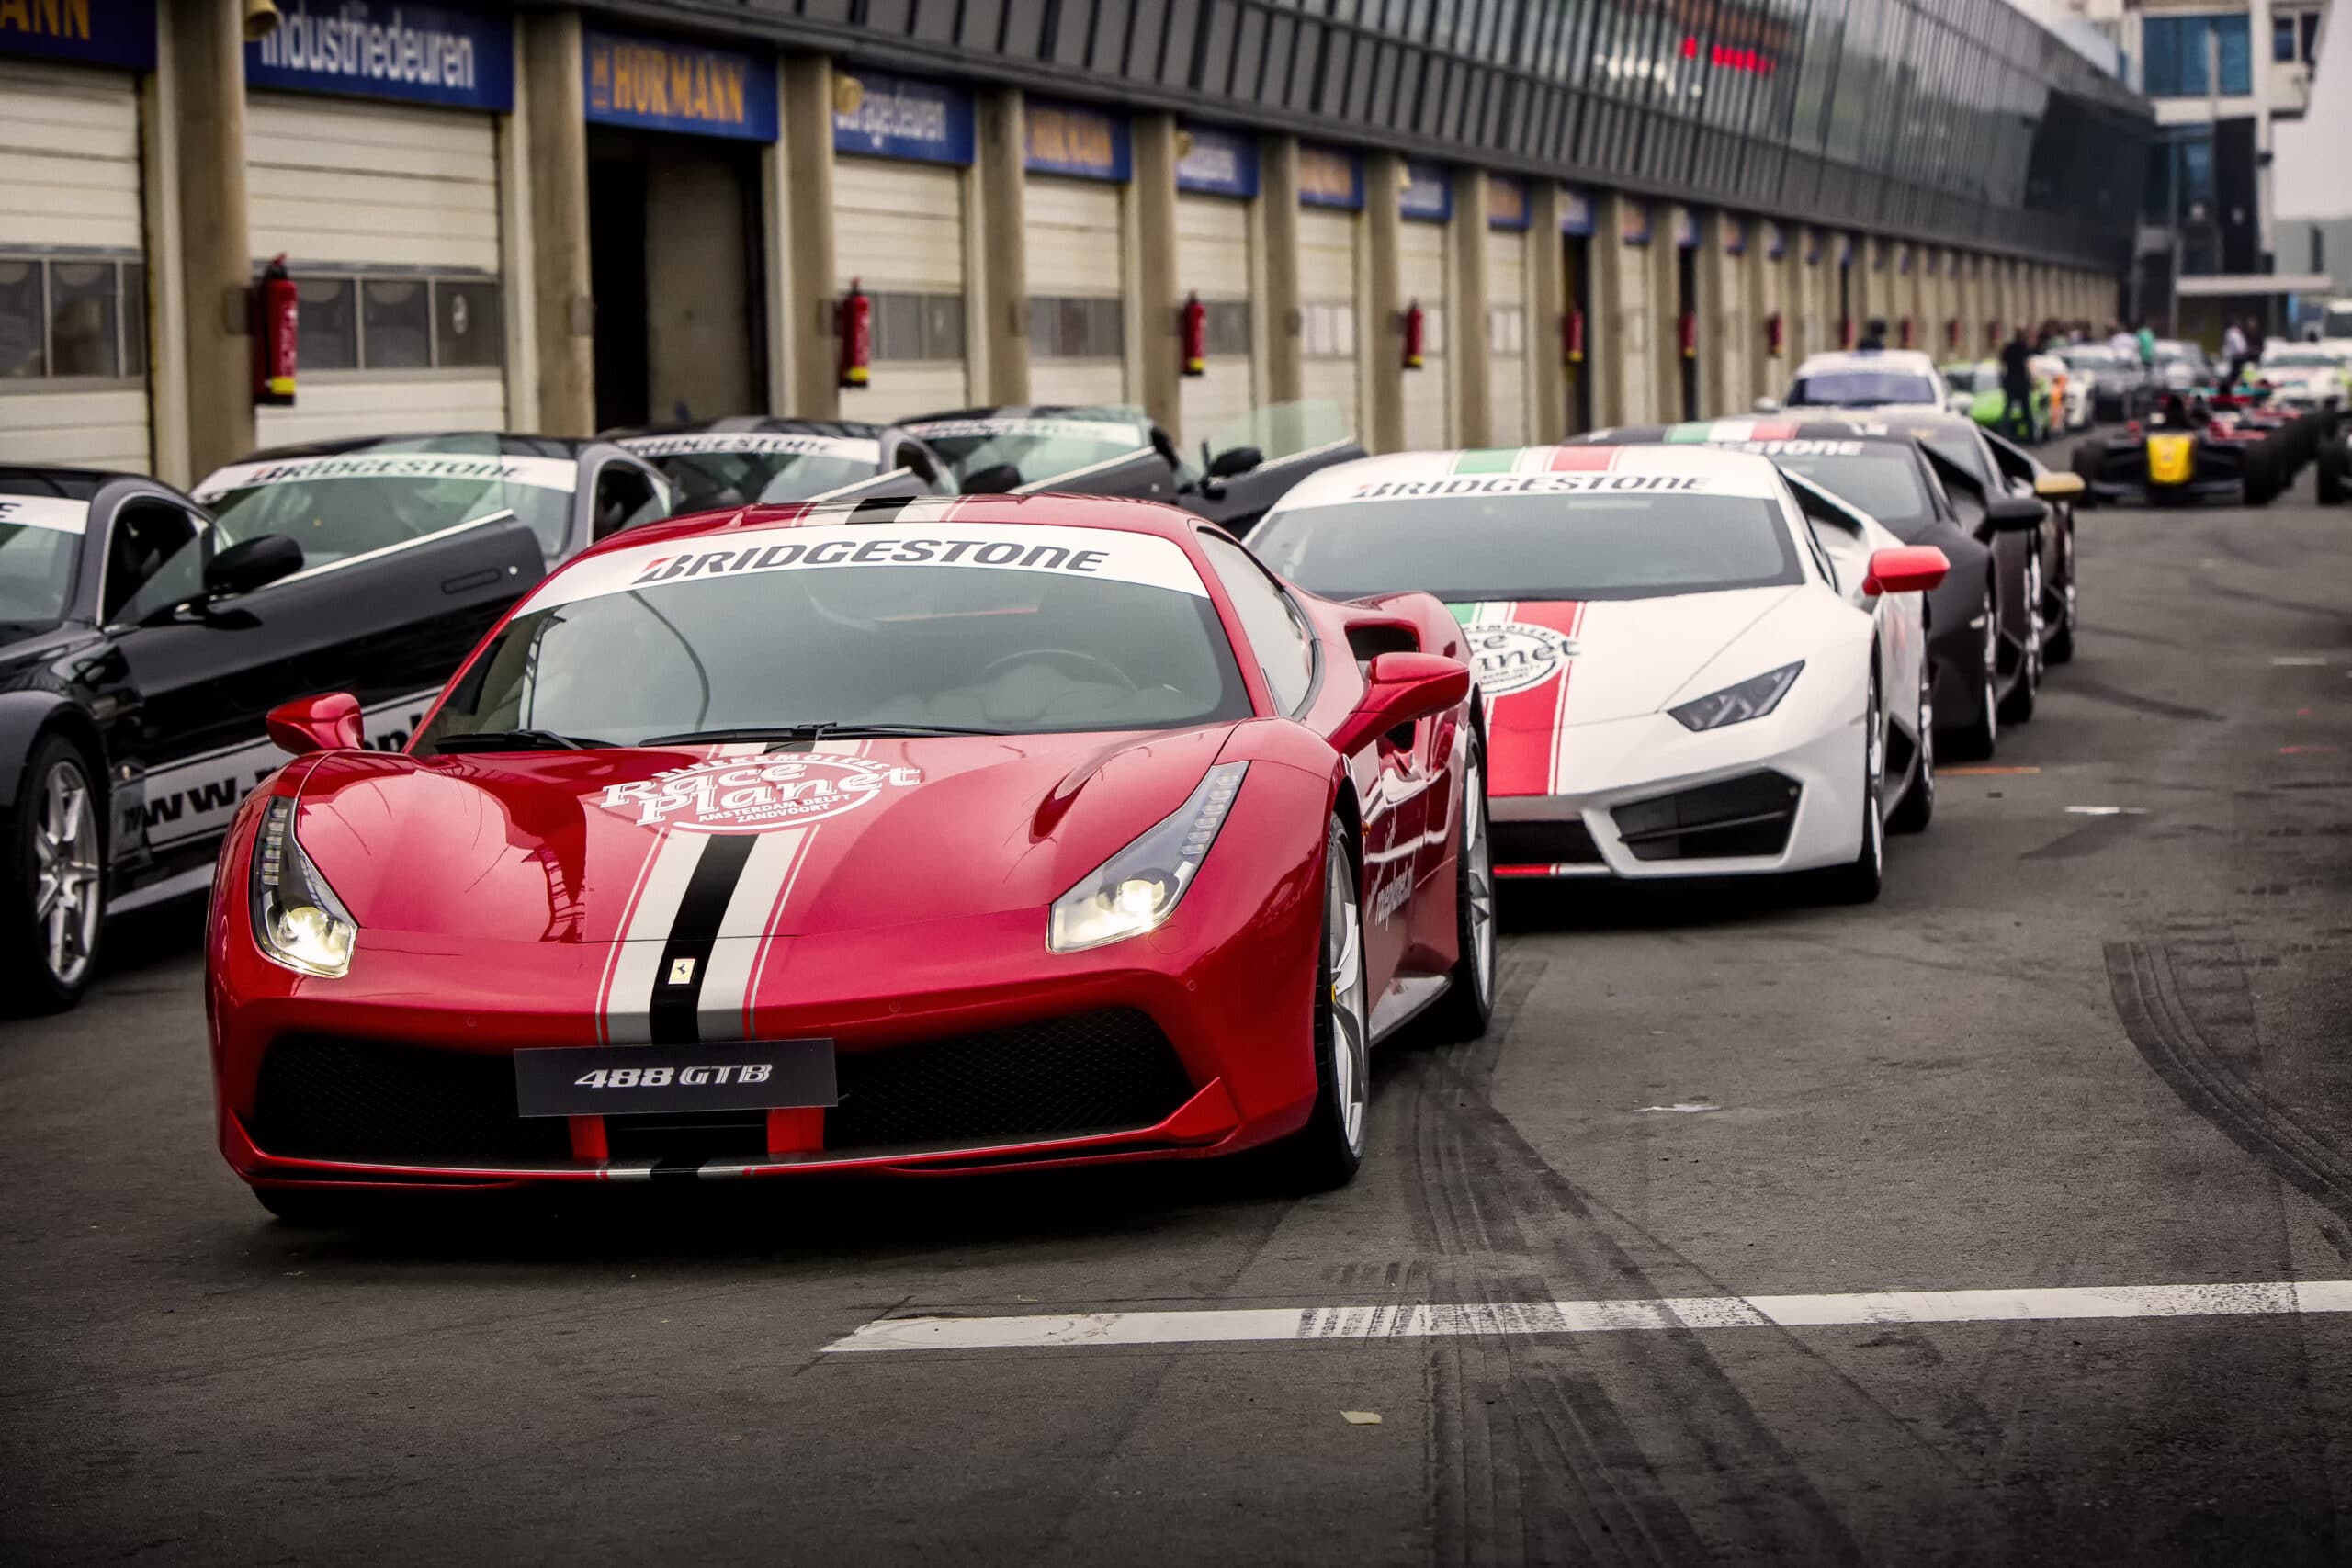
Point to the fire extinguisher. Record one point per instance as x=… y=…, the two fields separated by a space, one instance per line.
x=1776 y=334
x=1952 y=333
x=276 y=312
x=1845 y=332
x=1992 y=334
x=1412 y=324
x=1686 y=333
x=1572 y=337
x=1193 y=328
x=854 y=324
x=1907 y=332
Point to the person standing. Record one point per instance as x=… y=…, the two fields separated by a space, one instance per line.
x=2232 y=354
x=2119 y=338
x=1873 y=337
x=2017 y=387
x=2254 y=339
x=2145 y=338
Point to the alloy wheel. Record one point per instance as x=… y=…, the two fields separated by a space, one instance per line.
x=1343 y=959
x=1478 y=856
x=66 y=904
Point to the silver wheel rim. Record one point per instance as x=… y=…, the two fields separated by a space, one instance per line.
x=1874 y=783
x=1927 y=731
x=65 y=873
x=1992 y=667
x=1479 y=874
x=2034 y=622
x=1344 y=955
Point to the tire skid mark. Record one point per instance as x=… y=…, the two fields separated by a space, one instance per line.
x=2116 y=696
x=1532 y=1458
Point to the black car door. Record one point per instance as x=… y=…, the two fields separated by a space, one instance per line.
x=1234 y=502
x=1147 y=473
x=388 y=627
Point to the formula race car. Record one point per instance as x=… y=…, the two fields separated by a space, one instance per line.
x=2187 y=450
x=1122 y=451
x=754 y=460
x=946 y=835
x=1692 y=665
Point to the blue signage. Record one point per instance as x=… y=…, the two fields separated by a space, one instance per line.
x=677 y=86
x=1575 y=211
x=897 y=117
x=95 y=32
x=424 y=54
x=1428 y=195
x=1776 y=239
x=1686 y=229
x=1329 y=177
x=1070 y=138
x=1505 y=202
x=1216 y=162
x=1633 y=221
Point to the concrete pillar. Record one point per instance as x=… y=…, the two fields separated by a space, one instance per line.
x=1665 y=257
x=1767 y=296
x=518 y=253
x=558 y=135
x=1280 y=331
x=217 y=263
x=1547 y=305
x=1001 y=290
x=1384 y=180
x=1621 y=305
x=1724 y=306
x=1469 y=346
x=803 y=375
x=166 y=302
x=1161 y=362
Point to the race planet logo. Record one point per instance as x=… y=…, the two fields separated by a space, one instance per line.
x=1515 y=656
x=731 y=795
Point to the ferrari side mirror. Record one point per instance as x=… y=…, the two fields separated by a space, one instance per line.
x=1397 y=689
x=325 y=722
x=1912 y=569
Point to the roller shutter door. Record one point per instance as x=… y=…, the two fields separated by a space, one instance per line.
x=1076 y=243
x=1507 y=335
x=73 y=274
x=388 y=216
x=1213 y=261
x=1329 y=367
x=1428 y=400
x=899 y=232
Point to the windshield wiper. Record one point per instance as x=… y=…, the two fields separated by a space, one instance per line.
x=807 y=732
x=515 y=740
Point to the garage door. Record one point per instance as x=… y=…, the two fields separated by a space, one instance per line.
x=72 y=279
x=1076 y=245
x=388 y=216
x=1429 y=401
x=1326 y=286
x=898 y=233
x=1506 y=334
x=1213 y=261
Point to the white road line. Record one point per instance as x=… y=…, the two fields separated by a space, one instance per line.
x=1420 y=1321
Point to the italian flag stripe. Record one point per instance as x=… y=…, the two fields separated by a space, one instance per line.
x=1583 y=459
x=1488 y=460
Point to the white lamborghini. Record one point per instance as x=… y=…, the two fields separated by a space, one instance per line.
x=1690 y=664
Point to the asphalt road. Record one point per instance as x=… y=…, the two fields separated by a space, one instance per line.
x=2064 y=1050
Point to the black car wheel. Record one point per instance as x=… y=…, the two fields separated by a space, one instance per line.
x=56 y=890
x=2333 y=463
x=1325 y=1153
x=2058 y=640
x=1975 y=740
x=1468 y=1005
x=2017 y=706
x=1918 y=807
x=1858 y=882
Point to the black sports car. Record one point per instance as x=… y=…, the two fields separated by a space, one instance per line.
x=1122 y=451
x=739 y=461
x=143 y=640
x=1984 y=631
x=1995 y=463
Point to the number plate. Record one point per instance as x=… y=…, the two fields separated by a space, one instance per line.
x=630 y=1080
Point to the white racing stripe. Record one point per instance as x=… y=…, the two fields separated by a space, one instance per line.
x=1240 y=1325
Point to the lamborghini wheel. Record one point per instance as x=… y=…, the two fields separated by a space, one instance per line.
x=2017 y=706
x=1325 y=1153
x=1918 y=807
x=1859 y=881
x=1468 y=1005
x=1975 y=740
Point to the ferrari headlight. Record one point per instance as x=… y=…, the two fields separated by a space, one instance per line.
x=1137 y=888
x=298 y=921
x=1752 y=698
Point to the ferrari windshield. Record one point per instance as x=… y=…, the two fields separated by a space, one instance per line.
x=388 y=492
x=719 y=469
x=1479 y=547
x=1861 y=389
x=1036 y=444
x=983 y=627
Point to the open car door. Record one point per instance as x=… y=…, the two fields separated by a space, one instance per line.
x=1248 y=465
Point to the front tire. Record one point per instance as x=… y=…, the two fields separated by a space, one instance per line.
x=1917 y=808
x=55 y=914
x=2017 y=706
x=1858 y=882
x=1977 y=740
x=1325 y=1153
x=2334 y=462
x=1468 y=1005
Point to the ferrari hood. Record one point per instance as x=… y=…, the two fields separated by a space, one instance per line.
x=606 y=845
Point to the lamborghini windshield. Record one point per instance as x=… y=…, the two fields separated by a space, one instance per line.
x=388 y=492
x=802 y=631
x=1860 y=388
x=713 y=468
x=1034 y=445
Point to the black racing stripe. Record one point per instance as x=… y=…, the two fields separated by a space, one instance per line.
x=672 y=1012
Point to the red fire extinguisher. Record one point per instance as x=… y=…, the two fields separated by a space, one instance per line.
x=1411 y=322
x=1992 y=334
x=1193 y=328
x=276 y=312
x=1776 y=334
x=1952 y=333
x=854 y=325
x=1572 y=336
x=1686 y=333
x=1907 y=332
x=1845 y=332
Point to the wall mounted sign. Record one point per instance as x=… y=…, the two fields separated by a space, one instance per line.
x=1633 y=221
x=1575 y=211
x=1735 y=235
x=1071 y=139
x=880 y=116
x=421 y=54
x=1330 y=176
x=1505 y=202
x=1216 y=162
x=1427 y=195
x=95 y=32
x=663 y=86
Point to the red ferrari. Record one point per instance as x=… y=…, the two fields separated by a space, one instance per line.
x=916 y=836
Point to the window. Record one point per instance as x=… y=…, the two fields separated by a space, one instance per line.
x=1328 y=331
x=378 y=321
x=466 y=325
x=78 y=317
x=1066 y=327
x=918 y=326
x=2311 y=38
x=624 y=497
x=153 y=561
x=2282 y=37
x=1507 y=331
x=1224 y=326
x=1285 y=648
x=326 y=323
x=2177 y=50
x=395 y=323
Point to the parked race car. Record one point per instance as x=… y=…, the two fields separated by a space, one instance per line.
x=2187 y=450
x=1122 y=451
x=1880 y=379
x=1982 y=634
x=1977 y=395
x=1979 y=468
x=753 y=460
x=948 y=835
x=2116 y=385
x=2069 y=395
x=2304 y=378
x=1692 y=666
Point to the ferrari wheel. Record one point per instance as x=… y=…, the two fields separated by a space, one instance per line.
x=1325 y=1153
x=2017 y=706
x=56 y=895
x=1468 y=1005
x=1980 y=735
x=1918 y=807
x=1858 y=882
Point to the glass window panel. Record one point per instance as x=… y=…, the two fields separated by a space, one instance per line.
x=326 y=332
x=467 y=329
x=396 y=323
x=134 y=318
x=944 y=326
x=2282 y=37
x=898 y=326
x=81 y=319
x=23 y=334
x=2236 y=54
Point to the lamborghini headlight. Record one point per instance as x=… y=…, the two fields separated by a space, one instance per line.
x=1752 y=698
x=298 y=921
x=1136 y=889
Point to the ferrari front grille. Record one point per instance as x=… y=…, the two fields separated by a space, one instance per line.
x=1750 y=815
x=330 y=1097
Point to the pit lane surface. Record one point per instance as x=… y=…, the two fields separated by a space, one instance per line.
x=2070 y=1048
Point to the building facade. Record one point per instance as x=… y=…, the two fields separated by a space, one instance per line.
x=1456 y=222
